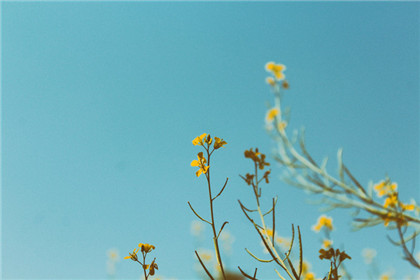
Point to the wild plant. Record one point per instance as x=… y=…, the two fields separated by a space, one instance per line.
x=343 y=190
x=203 y=164
x=148 y=269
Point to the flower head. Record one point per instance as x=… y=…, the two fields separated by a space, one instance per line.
x=323 y=221
x=391 y=201
x=309 y=276
x=219 y=143
x=407 y=207
x=201 y=163
x=199 y=139
x=276 y=70
x=271 y=114
x=146 y=248
x=152 y=268
x=385 y=187
x=326 y=243
x=133 y=255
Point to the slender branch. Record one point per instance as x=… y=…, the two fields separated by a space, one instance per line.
x=221 y=190
x=204 y=220
x=204 y=267
x=220 y=231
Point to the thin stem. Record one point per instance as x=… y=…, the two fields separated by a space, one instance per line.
x=213 y=226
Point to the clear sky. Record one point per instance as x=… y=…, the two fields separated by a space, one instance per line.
x=100 y=102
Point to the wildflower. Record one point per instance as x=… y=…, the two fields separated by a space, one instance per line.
x=282 y=125
x=133 y=255
x=268 y=232
x=146 y=248
x=385 y=276
x=265 y=176
x=391 y=200
x=407 y=207
x=276 y=70
x=202 y=139
x=327 y=243
x=248 y=178
x=368 y=255
x=305 y=267
x=152 y=268
x=309 y=276
x=218 y=143
x=270 y=81
x=199 y=140
x=271 y=114
x=285 y=84
x=385 y=187
x=201 y=163
x=323 y=221
x=252 y=155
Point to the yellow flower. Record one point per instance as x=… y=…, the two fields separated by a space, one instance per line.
x=327 y=243
x=385 y=277
x=268 y=231
x=382 y=188
x=323 y=221
x=271 y=114
x=199 y=140
x=309 y=276
x=146 y=248
x=407 y=207
x=305 y=267
x=270 y=81
x=276 y=70
x=201 y=162
x=152 y=268
x=391 y=200
x=218 y=143
x=133 y=255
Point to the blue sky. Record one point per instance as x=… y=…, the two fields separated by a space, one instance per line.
x=100 y=102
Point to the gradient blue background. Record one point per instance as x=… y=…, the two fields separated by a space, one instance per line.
x=100 y=102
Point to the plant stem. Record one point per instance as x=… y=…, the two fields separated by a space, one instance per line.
x=213 y=226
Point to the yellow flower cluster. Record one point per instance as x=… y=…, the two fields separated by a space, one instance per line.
x=144 y=249
x=323 y=221
x=201 y=163
x=389 y=190
x=271 y=115
x=277 y=71
x=307 y=275
x=385 y=187
x=205 y=140
x=326 y=243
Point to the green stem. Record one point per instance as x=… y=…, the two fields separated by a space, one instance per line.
x=215 y=239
